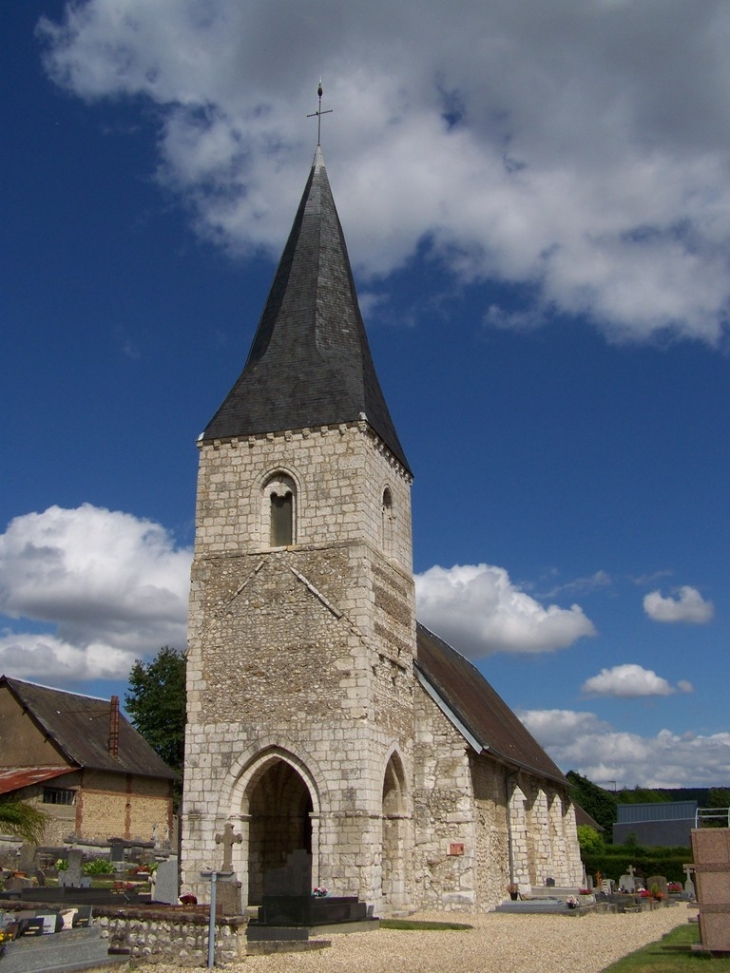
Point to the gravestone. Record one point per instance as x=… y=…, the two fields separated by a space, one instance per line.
x=18 y=883
x=228 y=893
x=40 y=877
x=288 y=899
x=628 y=882
x=166 y=885
x=689 y=885
x=294 y=878
x=73 y=877
x=26 y=858
x=661 y=883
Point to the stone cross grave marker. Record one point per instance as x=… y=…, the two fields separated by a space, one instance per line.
x=229 y=893
x=689 y=885
x=228 y=839
x=628 y=881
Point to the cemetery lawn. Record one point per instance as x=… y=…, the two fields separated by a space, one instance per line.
x=671 y=954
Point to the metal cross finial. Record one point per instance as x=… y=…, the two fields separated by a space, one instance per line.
x=318 y=114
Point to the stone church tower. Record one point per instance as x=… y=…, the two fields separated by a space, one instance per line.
x=302 y=626
x=321 y=716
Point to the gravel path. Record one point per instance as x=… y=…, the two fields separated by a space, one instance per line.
x=500 y=943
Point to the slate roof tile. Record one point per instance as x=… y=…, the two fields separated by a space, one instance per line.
x=79 y=727
x=479 y=708
x=310 y=363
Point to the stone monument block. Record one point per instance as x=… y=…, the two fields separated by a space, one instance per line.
x=711 y=849
x=228 y=898
x=73 y=877
x=166 y=885
x=294 y=878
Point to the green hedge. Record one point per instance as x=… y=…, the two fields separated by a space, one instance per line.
x=614 y=861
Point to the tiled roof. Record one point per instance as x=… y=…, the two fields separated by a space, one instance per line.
x=79 y=726
x=482 y=714
x=14 y=778
x=310 y=363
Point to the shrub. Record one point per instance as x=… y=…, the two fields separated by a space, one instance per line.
x=614 y=861
x=98 y=866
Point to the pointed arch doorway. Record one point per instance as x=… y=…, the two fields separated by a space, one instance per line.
x=279 y=810
x=393 y=861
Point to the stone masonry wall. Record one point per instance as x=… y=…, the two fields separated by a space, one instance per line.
x=445 y=833
x=301 y=653
x=181 y=940
x=493 y=852
x=504 y=818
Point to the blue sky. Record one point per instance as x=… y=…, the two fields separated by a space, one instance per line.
x=537 y=209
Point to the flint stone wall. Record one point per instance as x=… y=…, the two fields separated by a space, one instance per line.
x=181 y=940
x=470 y=799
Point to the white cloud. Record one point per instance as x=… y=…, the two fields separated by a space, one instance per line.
x=578 y=146
x=688 y=606
x=480 y=611
x=114 y=587
x=631 y=680
x=582 y=742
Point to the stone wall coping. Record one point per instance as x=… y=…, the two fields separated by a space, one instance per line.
x=196 y=917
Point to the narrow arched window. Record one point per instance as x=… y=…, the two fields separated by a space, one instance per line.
x=387 y=522
x=281 y=519
x=279 y=510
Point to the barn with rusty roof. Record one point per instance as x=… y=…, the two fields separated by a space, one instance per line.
x=81 y=762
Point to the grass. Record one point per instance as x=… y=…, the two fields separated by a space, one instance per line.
x=672 y=954
x=415 y=925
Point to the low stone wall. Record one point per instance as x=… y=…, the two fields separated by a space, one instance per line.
x=172 y=935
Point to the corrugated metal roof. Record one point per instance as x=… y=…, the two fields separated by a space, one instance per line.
x=79 y=726
x=659 y=811
x=15 y=778
x=481 y=711
x=310 y=363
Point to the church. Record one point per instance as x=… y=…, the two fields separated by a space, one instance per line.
x=321 y=715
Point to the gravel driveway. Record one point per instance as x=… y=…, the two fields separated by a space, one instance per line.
x=500 y=943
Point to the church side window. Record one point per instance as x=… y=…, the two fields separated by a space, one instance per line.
x=387 y=522
x=280 y=497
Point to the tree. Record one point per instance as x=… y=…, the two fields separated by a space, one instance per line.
x=156 y=703
x=22 y=820
x=599 y=803
x=642 y=795
x=590 y=841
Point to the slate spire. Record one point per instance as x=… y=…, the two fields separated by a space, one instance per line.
x=310 y=363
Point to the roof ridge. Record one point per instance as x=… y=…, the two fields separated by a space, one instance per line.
x=53 y=689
